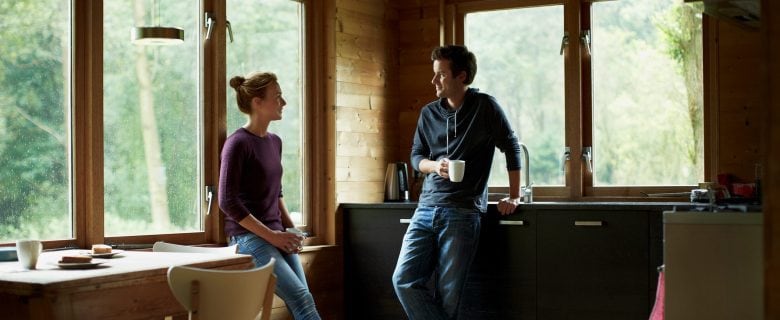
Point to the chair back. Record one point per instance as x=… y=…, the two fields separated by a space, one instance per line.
x=161 y=246
x=224 y=294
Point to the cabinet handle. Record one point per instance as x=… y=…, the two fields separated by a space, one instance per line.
x=578 y=223
x=405 y=221
x=511 y=222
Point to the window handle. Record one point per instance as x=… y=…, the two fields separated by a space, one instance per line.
x=585 y=39
x=230 y=30
x=564 y=41
x=209 y=191
x=209 y=23
x=587 y=155
x=566 y=157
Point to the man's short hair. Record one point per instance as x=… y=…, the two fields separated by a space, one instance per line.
x=461 y=59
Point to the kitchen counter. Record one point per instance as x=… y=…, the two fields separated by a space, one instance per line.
x=610 y=206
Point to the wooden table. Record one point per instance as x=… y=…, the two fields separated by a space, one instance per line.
x=132 y=285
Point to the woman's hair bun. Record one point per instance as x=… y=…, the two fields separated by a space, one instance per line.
x=236 y=82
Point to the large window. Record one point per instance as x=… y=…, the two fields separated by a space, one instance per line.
x=151 y=121
x=622 y=89
x=647 y=93
x=104 y=140
x=525 y=73
x=268 y=37
x=35 y=128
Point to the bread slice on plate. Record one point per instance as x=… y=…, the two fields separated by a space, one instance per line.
x=76 y=259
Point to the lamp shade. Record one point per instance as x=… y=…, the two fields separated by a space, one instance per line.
x=157 y=35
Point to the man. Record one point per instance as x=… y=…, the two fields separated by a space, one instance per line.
x=442 y=237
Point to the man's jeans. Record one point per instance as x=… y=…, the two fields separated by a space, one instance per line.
x=291 y=282
x=442 y=242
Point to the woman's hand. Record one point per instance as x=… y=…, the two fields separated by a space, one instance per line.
x=286 y=242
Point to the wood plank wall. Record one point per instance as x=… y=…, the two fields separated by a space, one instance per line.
x=738 y=101
x=366 y=90
x=419 y=33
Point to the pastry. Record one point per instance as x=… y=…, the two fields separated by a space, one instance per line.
x=100 y=249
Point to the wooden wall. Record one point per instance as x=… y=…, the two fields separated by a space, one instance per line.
x=736 y=102
x=366 y=86
x=419 y=32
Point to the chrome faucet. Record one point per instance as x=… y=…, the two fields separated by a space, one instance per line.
x=528 y=191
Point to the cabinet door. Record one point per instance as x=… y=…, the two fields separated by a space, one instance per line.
x=502 y=279
x=372 y=241
x=593 y=265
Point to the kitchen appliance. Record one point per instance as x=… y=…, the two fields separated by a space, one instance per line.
x=396 y=182
x=713 y=265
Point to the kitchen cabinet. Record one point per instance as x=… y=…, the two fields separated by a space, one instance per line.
x=543 y=262
x=502 y=280
x=593 y=265
x=372 y=241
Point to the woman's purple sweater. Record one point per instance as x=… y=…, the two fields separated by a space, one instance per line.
x=250 y=180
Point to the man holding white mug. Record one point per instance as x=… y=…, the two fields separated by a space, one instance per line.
x=466 y=126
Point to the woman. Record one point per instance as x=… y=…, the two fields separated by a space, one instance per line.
x=250 y=192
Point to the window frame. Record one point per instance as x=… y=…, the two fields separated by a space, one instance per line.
x=86 y=117
x=578 y=101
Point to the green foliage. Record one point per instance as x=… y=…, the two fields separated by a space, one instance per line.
x=34 y=147
x=645 y=129
x=268 y=38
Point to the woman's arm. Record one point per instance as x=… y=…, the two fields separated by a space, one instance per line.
x=286 y=220
x=285 y=241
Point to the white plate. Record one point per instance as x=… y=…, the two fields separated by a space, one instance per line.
x=102 y=255
x=78 y=265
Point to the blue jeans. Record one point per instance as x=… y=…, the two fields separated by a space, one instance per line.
x=440 y=241
x=291 y=283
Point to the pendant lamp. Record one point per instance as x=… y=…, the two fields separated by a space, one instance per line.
x=157 y=35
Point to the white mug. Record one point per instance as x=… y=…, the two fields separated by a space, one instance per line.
x=457 y=169
x=28 y=252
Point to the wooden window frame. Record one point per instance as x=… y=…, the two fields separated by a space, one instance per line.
x=87 y=131
x=578 y=101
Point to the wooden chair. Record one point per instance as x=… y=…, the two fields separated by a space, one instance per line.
x=224 y=294
x=161 y=246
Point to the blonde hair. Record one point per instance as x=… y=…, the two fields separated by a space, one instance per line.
x=254 y=85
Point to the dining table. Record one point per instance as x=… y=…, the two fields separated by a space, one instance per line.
x=123 y=285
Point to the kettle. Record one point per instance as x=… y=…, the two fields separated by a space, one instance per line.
x=396 y=182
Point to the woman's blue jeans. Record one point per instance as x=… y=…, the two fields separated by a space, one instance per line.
x=291 y=283
x=439 y=242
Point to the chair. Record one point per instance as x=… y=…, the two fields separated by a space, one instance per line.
x=224 y=294
x=161 y=246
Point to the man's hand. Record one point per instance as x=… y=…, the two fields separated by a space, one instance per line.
x=508 y=205
x=443 y=168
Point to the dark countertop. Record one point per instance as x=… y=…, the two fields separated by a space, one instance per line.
x=617 y=206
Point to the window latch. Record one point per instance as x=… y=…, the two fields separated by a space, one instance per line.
x=566 y=157
x=209 y=192
x=564 y=41
x=587 y=156
x=230 y=30
x=209 y=21
x=586 y=40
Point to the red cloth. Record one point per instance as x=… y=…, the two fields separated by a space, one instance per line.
x=658 y=308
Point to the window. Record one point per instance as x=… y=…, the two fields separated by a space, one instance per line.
x=528 y=83
x=623 y=85
x=268 y=37
x=151 y=121
x=105 y=141
x=35 y=124
x=647 y=93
